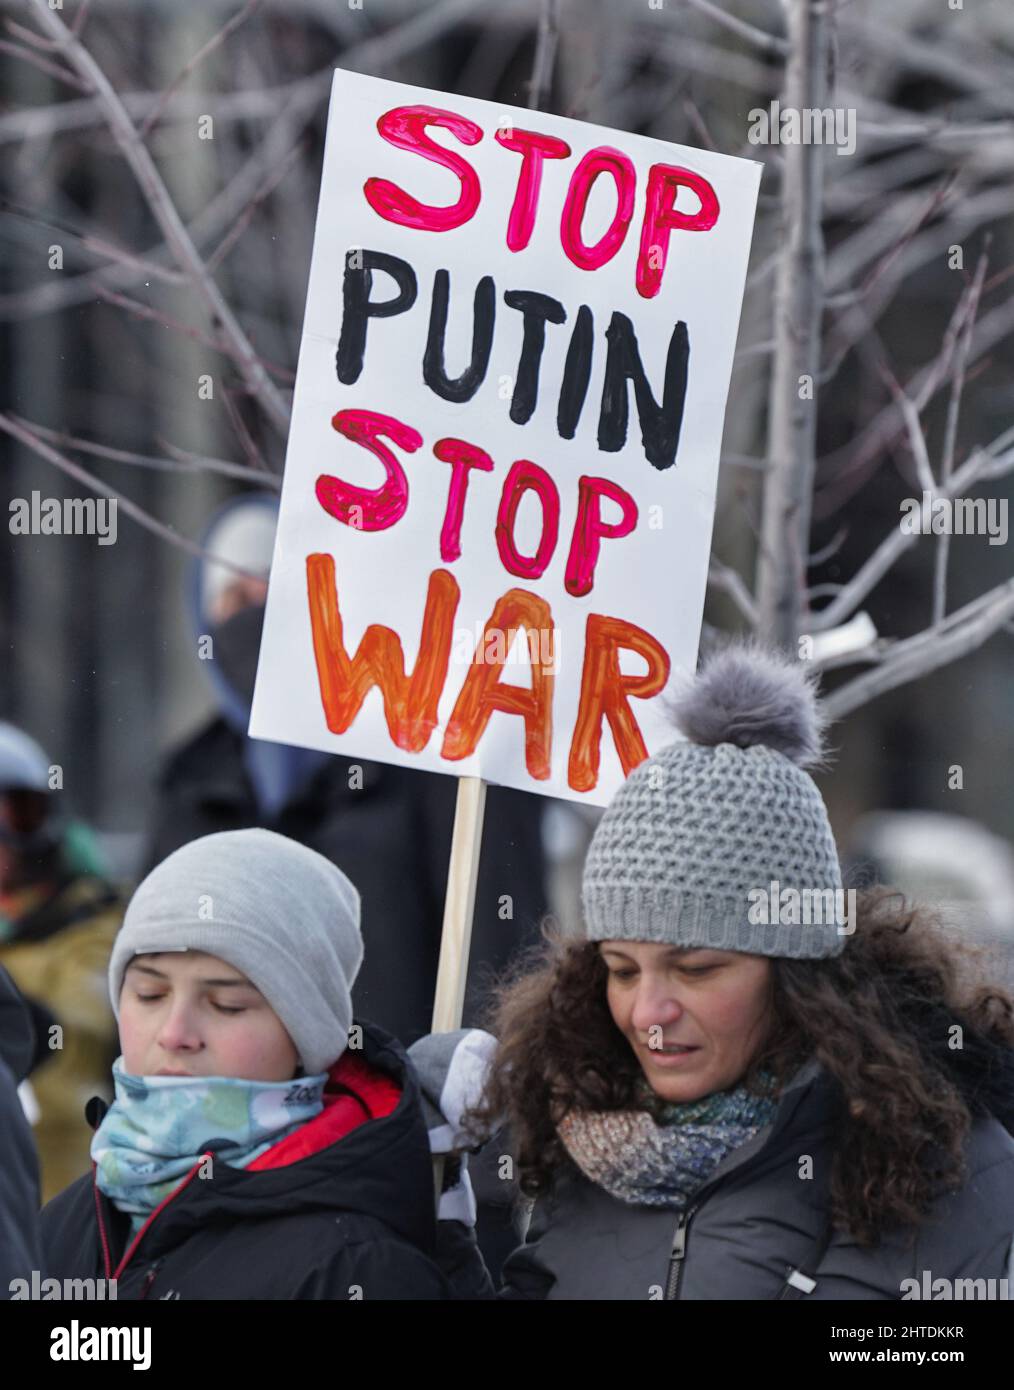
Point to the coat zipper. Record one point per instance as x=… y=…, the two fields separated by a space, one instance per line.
x=679 y=1250
x=132 y=1246
x=679 y=1239
x=107 y=1262
x=149 y=1278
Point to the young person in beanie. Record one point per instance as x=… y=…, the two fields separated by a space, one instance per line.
x=713 y=1100
x=261 y=1145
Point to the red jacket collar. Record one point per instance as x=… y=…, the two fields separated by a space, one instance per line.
x=355 y=1093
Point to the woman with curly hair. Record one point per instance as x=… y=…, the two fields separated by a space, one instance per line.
x=729 y=1090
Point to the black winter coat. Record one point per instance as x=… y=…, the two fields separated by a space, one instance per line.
x=759 y=1228
x=392 y=836
x=354 y=1220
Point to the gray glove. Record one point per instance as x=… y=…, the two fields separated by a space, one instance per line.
x=452 y=1070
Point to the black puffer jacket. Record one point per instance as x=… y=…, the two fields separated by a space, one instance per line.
x=759 y=1230
x=355 y=1219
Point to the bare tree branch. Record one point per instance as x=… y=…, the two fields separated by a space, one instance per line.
x=820 y=557
x=909 y=52
x=916 y=438
x=164 y=210
x=94 y=484
x=266 y=477
x=963 y=211
x=725 y=579
x=766 y=43
x=146 y=312
x=138 y=265
x=861 y=307
x=212 y=222
x=44 y=122
x=149 y=315
x=757 y=349
x=241 y=223
x=250 y=449
x=545 y=54
x=189 y=464
x=693 y=55
x=763 y=272
x=897 y=541
x=781 y=574
x=698 y=122
x=56 y=70
x=951 y=432
x=918 y=656
x=373 y=54
x=29 y=36
x=216 y=40
x=848 y=467
x=81 y=17
x=744 y=461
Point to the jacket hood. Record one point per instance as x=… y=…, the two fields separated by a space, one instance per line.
x=981 y=1067
x=242 y=532
x=982 y=1070
x=381 y=1168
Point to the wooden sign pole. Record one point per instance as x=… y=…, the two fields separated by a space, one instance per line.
x=459 y=905
x=456 y=936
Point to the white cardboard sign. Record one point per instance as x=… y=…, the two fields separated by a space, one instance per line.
x=496 y=513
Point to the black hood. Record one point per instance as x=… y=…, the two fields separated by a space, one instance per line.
x=981 y=1067
x=381 y=1169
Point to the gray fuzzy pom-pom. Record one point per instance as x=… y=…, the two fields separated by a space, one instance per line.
x=749 y=694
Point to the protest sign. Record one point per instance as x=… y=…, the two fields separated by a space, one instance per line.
x=496 y=513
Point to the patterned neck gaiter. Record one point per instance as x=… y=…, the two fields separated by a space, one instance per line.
x=663 y=1162
x=158 y=1127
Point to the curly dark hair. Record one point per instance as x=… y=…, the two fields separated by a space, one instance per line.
x=879 y=1018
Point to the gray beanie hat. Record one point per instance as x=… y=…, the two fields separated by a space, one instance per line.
x=723 y=841
x=281 y=913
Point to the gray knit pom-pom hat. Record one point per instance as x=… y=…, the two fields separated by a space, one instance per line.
x=723 y=840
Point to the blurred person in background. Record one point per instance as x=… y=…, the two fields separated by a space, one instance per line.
x=58 y=918
x=953 y=862
x=389 y=828
x=20 y=1250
